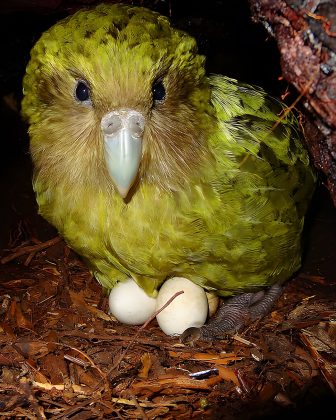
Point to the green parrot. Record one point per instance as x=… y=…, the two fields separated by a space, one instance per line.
x=151 y=169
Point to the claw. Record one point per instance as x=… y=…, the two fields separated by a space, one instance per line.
x=190 y=335
x=235 y=314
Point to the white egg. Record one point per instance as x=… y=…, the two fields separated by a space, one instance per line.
x=213 y=302
x=189 y=309
x=130 y=304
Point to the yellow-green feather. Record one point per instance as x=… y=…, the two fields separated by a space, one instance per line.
x=224 y=186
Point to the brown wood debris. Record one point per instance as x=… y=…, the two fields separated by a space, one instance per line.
x=305 y=31
x=63 y=356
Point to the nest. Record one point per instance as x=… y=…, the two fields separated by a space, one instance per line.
x=63 y=356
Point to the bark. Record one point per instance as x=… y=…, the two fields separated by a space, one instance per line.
x=305 y=31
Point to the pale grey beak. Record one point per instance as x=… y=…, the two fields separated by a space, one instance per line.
x=123 y=131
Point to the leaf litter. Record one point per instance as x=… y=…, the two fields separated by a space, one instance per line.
x=63 y=356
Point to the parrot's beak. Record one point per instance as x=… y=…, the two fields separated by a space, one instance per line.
x=123 y=131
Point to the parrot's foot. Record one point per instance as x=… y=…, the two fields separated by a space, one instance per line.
x=236 y=313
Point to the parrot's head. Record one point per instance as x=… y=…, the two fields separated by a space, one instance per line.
x=116 y=97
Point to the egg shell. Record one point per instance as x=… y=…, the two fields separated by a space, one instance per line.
x=130 y=304
x=213 y=302
x=189 y=309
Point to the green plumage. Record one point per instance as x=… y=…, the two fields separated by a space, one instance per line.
x=224 y=182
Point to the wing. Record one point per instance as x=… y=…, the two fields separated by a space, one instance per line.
x=262 y=141
x=264 y=182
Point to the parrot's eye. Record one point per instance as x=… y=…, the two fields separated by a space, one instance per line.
x=159 y=92
x=82 y=91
